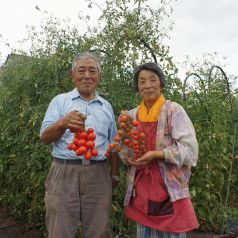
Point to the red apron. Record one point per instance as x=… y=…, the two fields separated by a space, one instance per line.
x=151 y=204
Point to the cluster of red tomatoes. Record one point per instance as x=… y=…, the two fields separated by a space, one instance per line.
x=84 y=143
x=129 y=136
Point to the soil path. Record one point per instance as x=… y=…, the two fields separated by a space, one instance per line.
x=11 y=228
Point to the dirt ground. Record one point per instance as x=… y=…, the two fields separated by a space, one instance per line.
x=198 y=234
x=10 y=228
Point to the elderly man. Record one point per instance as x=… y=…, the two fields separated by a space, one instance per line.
x=79 y=190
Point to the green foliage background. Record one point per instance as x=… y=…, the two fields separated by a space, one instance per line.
x=125 y=37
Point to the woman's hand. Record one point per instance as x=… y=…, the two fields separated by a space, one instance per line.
x=146 y=158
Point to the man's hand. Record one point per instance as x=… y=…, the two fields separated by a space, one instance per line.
x=73 y=120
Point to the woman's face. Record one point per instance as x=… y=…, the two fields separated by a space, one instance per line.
x=149 y=86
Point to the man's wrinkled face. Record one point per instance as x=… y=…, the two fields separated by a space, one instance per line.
x=86 y=76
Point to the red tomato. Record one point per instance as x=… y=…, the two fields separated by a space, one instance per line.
x=107 y=154
x=117 y=138
x=91 y=136
x=70 y=146
x=74 y=147
x=123 y=118
x=134 y=137
x=127 y=141
x=94 y=152
x=77 y=135
x=88 y=155
x=81 y=142
x=90 y=144
x=122 y=124
x=120 y=132
x=83 y=135
x=72 y=130
x=136 y=147
x=81 y=150
x=135 y=123
x=90 y=130
x=129 y=145
x=80 y=129
x=134 y=133
x=111 y=146
x=136 y=143
x=142 y=135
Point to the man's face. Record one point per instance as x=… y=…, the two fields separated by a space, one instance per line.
x=86 y=77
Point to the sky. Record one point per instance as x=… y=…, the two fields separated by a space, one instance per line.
x=200 y=26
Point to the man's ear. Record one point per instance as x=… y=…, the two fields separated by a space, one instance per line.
x=71 y=73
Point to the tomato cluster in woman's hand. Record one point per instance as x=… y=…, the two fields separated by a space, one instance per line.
x=84 y=143
x=129 y=136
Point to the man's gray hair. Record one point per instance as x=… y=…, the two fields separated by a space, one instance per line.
x=87 y=55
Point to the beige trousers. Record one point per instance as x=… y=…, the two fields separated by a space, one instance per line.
x=77 y=194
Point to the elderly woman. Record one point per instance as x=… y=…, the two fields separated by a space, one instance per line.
x=158 y=198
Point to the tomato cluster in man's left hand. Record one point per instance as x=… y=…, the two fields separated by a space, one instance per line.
x=84 y=143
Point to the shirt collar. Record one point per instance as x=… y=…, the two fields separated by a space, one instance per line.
x=75 y=94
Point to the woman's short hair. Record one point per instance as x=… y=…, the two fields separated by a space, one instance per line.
x=150 y=67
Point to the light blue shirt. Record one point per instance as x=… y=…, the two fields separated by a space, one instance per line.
x=100 y=117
